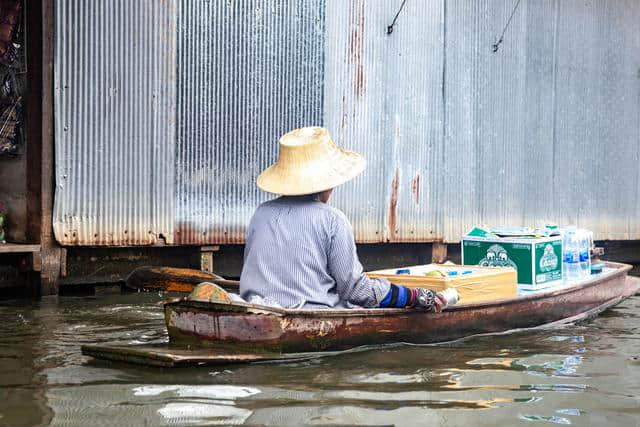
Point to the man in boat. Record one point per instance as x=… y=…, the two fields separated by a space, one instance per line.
x=300 y=252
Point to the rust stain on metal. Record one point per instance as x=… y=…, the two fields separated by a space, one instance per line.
x=393 y=207
x=356 y=47
x=415 y=188
x=187 y=233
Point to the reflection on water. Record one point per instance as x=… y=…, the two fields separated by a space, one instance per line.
x=207 y=404
x=585 y=375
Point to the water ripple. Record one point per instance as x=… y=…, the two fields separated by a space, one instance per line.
x=580 y=374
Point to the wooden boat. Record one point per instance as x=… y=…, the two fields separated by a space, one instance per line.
x=285 y=330
x=239 y=328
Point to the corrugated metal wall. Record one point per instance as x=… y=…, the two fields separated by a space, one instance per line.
x=248 y=71
x=167 y=111
x=383 y=98
x=115 y=90
x=546 y=128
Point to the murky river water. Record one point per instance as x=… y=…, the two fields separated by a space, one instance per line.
x=587 y=374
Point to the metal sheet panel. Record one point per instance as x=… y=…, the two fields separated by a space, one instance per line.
x=598 y=117
x=383 y=98
x=546 y=128
x=498 y=119
x=167 y=111
x=248 y=71
x=115 y=81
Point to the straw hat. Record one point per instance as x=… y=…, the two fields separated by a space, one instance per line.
x=309 y=162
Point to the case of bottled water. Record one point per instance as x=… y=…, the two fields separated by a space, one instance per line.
x=576 y=259
x=585 y=238
x=571 y=255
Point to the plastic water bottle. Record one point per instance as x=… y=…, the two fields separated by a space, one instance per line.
x=571 y=255
x=585 y=259
x=451 y=295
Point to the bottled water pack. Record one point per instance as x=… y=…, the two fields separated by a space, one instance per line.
x=576 y=259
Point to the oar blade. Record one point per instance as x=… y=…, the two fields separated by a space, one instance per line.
x=168 y=279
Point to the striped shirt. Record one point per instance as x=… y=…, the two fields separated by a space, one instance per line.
x=301 y=253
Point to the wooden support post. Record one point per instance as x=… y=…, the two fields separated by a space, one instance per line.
x=438 y=253
x=33 y=104
x=40 y=141
x=63 y=262
x=206 y=257
x=206 y=261
x=36 y=261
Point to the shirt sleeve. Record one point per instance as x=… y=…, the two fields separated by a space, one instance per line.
x=345 y=268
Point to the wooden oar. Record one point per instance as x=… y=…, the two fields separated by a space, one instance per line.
x=170 y=279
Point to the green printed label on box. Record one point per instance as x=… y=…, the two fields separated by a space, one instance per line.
x=548 y=261
x=503 y=254
x=537 y=261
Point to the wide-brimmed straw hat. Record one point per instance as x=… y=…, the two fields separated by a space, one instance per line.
x=309 y=162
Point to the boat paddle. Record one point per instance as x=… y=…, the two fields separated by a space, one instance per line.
x=170 y=279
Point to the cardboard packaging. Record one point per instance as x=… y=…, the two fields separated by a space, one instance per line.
x=538 y=261
x=473 y=283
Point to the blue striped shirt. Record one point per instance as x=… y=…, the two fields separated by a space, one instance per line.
x=301 y=252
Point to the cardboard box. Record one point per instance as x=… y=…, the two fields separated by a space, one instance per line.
x=473 y=283
x=538 y=261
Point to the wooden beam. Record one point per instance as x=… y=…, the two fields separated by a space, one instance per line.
x=206 y=257
x=31 y=263
x=36 y=262
x=16 y=248
x=33 y=111
x=50 y=249
x=438 y=253
x=63 y=262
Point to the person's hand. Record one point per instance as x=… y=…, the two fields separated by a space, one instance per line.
x=439 y=302
x=427 y=299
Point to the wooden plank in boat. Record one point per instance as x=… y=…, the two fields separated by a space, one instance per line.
x=170 y=356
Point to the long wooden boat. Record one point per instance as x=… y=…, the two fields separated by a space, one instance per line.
x=274 y=330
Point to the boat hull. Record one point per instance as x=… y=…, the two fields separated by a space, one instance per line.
x=269 y=329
